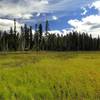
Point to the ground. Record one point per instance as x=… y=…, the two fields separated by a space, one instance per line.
x=50 y=76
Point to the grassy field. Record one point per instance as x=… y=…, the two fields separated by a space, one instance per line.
x=50 y=76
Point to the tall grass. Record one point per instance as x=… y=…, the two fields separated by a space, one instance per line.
x=50 y=76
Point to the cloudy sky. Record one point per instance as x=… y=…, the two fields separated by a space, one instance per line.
x=63 y=15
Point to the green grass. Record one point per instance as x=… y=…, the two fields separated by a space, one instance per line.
x=50 y=76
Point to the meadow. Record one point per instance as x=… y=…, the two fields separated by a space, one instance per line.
x=50 y=76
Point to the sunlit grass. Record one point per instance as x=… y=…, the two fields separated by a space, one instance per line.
x=50 y=76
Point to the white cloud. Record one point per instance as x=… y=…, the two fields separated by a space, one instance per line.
x=38 y=14
x=6 y=24
x=25 y=16
x=54 y=17
x=96 y=4
x=20 y=8
x=90 y=24
x=55 y=32
x=61 y=32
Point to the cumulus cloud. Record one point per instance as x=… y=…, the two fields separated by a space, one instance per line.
x=25 y=8
x=96 y=5
x=89 y=24
x=6 y=24
x=22 y=8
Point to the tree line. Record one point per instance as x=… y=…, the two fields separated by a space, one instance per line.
x=25 y=40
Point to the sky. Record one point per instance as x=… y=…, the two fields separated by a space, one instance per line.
x=63 y=15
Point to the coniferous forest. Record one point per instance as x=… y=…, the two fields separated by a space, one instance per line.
x=25 y=40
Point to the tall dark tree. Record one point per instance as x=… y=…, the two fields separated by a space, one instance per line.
x=27 y=40
x=46 y=27
x=36 y=38
x=40 y=30
x=11 y=31
x=14 y=26
x=31 y=38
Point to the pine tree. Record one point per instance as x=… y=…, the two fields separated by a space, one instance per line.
x=46 y=27
x=27 y=40
x=40 y=30
x=31 y=38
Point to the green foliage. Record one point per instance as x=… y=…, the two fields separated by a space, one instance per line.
x=50 y=76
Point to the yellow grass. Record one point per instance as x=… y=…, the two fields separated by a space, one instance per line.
x=50 y=76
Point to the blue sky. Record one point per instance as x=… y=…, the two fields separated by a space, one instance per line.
x=63 y=15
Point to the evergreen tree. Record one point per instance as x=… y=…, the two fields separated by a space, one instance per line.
x=40 y=35
x=46 y=27
x=31 y=38
x=27 y=40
